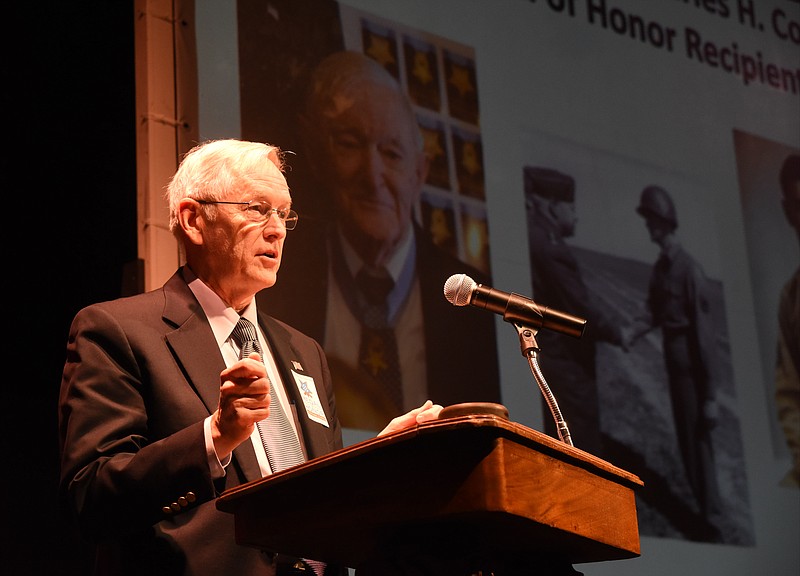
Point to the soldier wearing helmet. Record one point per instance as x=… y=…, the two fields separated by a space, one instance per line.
x=679 y=303
x=656 y=203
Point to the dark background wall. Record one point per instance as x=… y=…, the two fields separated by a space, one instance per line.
x=72 y=228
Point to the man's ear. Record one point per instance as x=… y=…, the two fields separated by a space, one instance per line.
x=550 y=208
x=190 y=220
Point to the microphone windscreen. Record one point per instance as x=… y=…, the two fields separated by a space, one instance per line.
x=458 y=289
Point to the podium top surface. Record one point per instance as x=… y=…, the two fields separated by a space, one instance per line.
x=488 y=426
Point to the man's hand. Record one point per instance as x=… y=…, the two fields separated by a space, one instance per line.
x=243 y=400
x=426 y=412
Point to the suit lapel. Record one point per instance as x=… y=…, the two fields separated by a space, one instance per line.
x=313 y=436
x=196 y=351
x=193 y=344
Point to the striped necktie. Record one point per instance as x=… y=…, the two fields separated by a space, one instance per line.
x=280 y=441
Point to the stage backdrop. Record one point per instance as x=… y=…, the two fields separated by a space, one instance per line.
x=698 y=98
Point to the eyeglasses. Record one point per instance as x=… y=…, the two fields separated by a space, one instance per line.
x=261 y=211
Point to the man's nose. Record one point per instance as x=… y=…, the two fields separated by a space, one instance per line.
x=274 y=226
x=375 y=165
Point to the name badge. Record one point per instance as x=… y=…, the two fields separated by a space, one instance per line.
x=308 y=392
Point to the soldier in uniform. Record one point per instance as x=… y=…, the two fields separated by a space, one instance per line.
x=679 y=303
x=568 y=363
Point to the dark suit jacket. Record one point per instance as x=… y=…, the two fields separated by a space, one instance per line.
x=141 y=375
x=460 y=342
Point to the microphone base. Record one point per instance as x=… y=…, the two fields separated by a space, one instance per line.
x=474 y=409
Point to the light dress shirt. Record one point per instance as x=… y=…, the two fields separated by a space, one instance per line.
x=223 y=319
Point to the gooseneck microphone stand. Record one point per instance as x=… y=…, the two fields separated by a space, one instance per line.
x=530 y=350
x=523 y=313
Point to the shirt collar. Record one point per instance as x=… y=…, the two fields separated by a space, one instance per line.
x=396 y=262
x=221 y=317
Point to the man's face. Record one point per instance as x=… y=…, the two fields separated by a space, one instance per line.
x=374 y=167
x=243 y=249
x=565 y=217
x=657 y=228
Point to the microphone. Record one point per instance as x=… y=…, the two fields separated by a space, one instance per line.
x=461 y=290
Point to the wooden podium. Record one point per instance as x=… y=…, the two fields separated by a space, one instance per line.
x=475 y=491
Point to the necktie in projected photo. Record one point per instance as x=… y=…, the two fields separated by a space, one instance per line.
x=378 y=356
